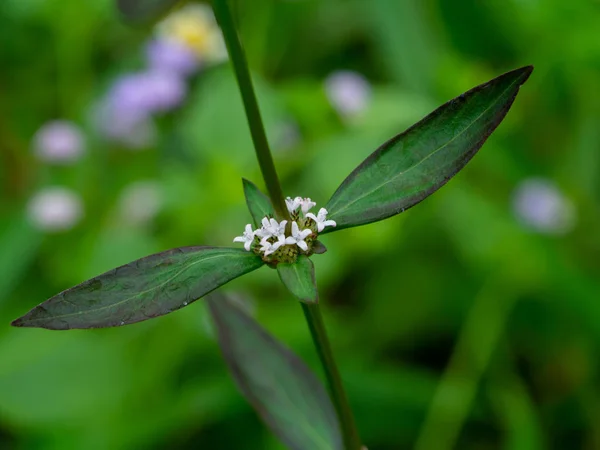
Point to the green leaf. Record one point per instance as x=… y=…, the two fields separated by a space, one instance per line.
x=299 y=278
x=258 y=203
x=144 y=289
x=281 y=388
x=414 y=164
x=144 y=11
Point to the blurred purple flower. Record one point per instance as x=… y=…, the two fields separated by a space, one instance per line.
x=126 y=112
x=55 y=209
x=168 y=55
x=59 y=142
x=542 y=207
x=348 y=92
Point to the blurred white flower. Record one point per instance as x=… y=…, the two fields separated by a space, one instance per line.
x=59 y=142
x=195 y=26
x=55 y=209
x=140 y=202
x=348 y=92
x=540 y=205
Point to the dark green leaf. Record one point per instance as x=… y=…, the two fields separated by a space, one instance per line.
x=146 y=288
x=143 y=11
x=318 y=248
x=280 y=387
x=416 y=163
x=299 y=278
x=258 y=203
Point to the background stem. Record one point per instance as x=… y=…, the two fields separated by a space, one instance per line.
x=336 y=388
x=267 y=167
x=257 y=130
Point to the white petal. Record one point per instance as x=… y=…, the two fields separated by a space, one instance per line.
x=305 y=233
x=265 y=222
x=311 y=216
x=302 y=245
x=295 y=229
x=247 y=245
x=330 y=223
x=239 y=239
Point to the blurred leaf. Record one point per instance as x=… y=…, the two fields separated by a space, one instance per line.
x=281 y=388
x=143 y=289
x=318 y=248
x=416 y=163
x=258 y=203
x=143 y=11
x=299 y=278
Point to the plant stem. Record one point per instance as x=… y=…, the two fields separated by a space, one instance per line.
x=267 y=167
x=257 y=130
x=336 y=388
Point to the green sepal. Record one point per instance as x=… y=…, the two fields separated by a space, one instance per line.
x=411 y=166
x=145 y=11
x=147 y=288
x=258 y=203
x=280 y=387
x=299 y=278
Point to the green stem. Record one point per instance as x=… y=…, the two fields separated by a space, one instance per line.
x=336 y=388
x=267 y=167
x=257 y=130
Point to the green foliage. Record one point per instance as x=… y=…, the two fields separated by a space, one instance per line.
x=413 y=165
x=145 y=11
x=281 y=388
x=143 y=289
x=395 y=293
x=299 y=278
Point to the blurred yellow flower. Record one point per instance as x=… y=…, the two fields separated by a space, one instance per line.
x=195 y=26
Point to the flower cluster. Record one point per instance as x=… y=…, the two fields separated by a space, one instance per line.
x=283 y=241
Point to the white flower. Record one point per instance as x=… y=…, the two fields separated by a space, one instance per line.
x=298 y=237
x=293 y=204
x=321 y=220
x=270 y=227
x=304 y=203
x=55 y=209
x=247 y=238
x=268 y=247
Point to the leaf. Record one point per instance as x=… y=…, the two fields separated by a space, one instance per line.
x=318 y=248
x=299 y=278
x=145 y=11
x=280 y=387
x=258 y=203
x=147 y=288
x=416 y=163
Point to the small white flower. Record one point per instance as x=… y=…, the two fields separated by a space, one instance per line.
x=321 y=220
x=306 y=204
x=270 y=227
x=247 y=238
x=268 y=247
x=292 y=204
x=298 y=237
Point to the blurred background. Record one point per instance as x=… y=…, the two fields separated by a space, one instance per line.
x=471 y=321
